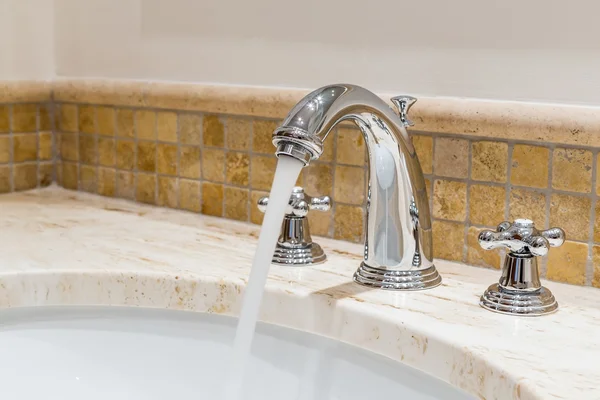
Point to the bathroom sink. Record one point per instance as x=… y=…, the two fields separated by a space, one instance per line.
x=132 y=353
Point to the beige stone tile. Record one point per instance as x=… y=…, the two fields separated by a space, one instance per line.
x=67 y=118
x=597 y=223
x=486 y=205
x=256 y=216
x=145 y=124
x=189 y=162
x=45 y=146
x=46 y=118
x=4 y=118
x=237 y=168
x=351 y=147
x=107 y=179
x=236 y=203
x=451 y=157
x=450 y=200
x=567 y=263
x=45 y=174
x=424 y=147
x=146 y=156
x=478 y=256
x=213 y=133
x=106 y=151
x=24 y=118
x=69 y=149
x=25 y=176
x=212 y=199
x=239 y=133
x=529 y=204
x=145 y=188
x=489 y=161
x=320 y=222
x=572 y=170
x=166 y=126
x=125 y=123
x=5 y=149
x=70 y=175
x=190 y=129
x=125 y=154
x=262 y=171
x=105 y=118
x=167 y=192
x=262 y=136
x=166 y=159
x=596 y=263
x=189 y=195
x=5 y=173
x=572 y=214
x=529 y=166
x=88 y=149
x=213 y=165
x=88 y=178
x=25 y=147
x=87 y=119
x=348 y=222
x=349 y=185
x=318 y=179
x=448 y=240
x=125 y=185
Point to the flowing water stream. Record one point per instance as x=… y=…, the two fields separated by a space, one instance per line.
x=286 y=175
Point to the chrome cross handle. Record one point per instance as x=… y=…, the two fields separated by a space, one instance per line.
x=300 y=203
x=522 y=238
x=295 y=245
x=519 y=290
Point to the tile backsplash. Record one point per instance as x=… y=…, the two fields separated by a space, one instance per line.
x=219 y=160
x=26 y=146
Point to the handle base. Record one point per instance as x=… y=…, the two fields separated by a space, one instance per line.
x=417 y=279
x=530 y=304
x=298 y=256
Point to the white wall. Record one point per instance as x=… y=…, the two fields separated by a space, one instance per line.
x=26 y=39
x=541 y=50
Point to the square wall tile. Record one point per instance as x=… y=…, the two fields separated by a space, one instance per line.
x=88 y=149
x=489 y=161
x=88 y=178
x=236 y=203
x=262 y=136
x=87 y=119
x=189 y=162
x=424 y=148
x=67 y=118
x=448 y=240
x=45 y=146
x=167 y=192
x=572 y=213
x=106 y=122
x=166 y=126
x=239 y=133
x=567 y=263
x=190 y=129
x=350 y=148
x=125 y=123
x=25 y=176
x=5 y=149
x=486 y=205
x=107 y=179
x=348 y=223
x=166 y=159
x=146 y=156
x=451 y=157
x=212 y=199
x=25 y=147
x=450 y=200
x=145 y=188
x=572 y=170
x=125 y=185
x=146 y=124
x=189 y=195
x=106 y=151
x=349 y=185
x=213 y=165
x=237 y=168
x=262 y=171
x=529 y=166
x=4 y=118
x=24 y=118
x=529 y=204
x=5 y=179
x=213 y=131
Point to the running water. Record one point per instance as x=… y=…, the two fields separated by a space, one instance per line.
x=286 y=175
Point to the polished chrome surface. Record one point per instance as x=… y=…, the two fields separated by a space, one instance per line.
x=398 y=222
x=519 y=290
x=295 y=245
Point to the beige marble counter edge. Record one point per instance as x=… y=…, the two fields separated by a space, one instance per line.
x=555 y=123
x=25 y=91
x=442 y=331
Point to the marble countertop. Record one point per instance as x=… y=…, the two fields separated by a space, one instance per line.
x=59 y=247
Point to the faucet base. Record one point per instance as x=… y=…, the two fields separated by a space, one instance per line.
x=504 y=301
x=298 y=256
x=397 y=280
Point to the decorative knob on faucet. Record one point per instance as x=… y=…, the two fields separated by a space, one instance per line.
x=295 y=245
x=519 y=291
x=403 y=104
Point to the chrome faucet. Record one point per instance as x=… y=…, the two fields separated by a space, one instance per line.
x=398 y=245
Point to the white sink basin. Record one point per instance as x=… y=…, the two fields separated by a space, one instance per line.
x=116 y=353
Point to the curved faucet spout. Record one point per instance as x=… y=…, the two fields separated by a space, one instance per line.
x=398 y=244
